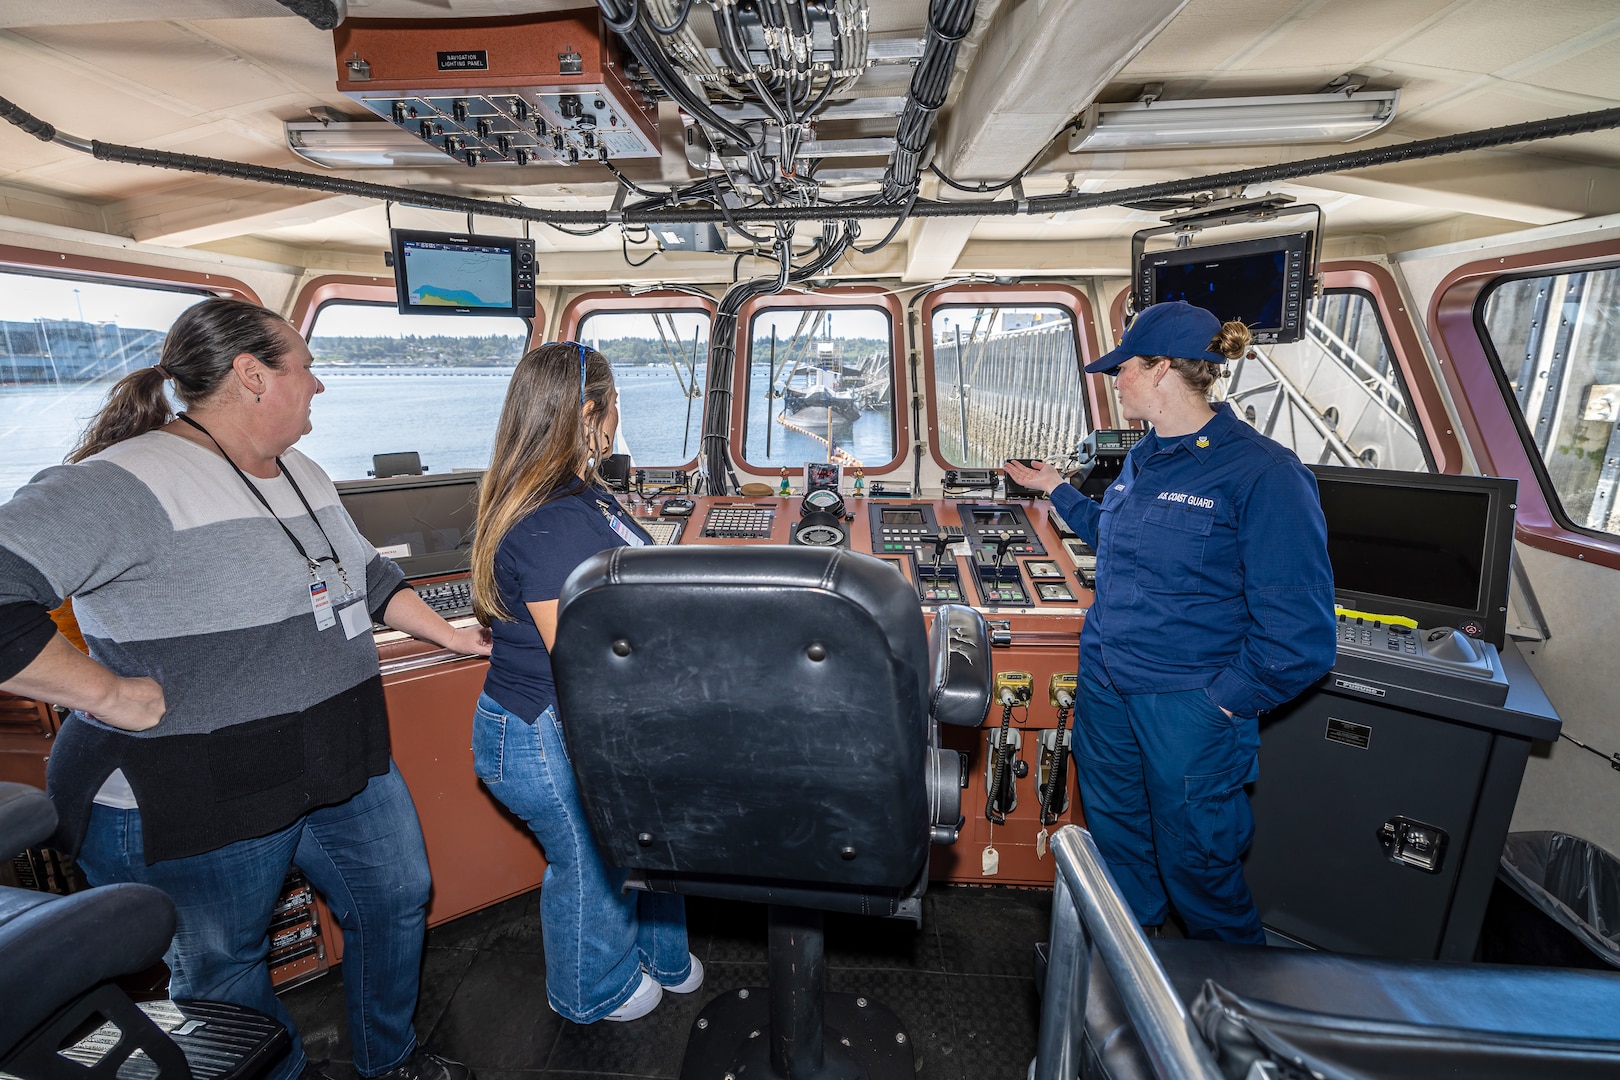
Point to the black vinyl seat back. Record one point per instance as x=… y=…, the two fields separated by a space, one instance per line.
x=758 y=715
x=59 y=956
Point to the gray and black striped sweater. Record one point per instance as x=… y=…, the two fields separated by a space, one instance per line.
x=178 y=573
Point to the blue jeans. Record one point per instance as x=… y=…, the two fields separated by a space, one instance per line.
x=366 y=858
x=597 y=935
x=1161 y=780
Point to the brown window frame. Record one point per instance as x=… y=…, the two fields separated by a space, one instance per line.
x=1493 y=424
x=1042 y=294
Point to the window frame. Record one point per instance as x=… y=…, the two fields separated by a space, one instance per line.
x=342 y=288
x=1034 y=294
x=1440 y=443
x=580 y=307
x=845 y=296
x=112 y=272
x=1494 y=423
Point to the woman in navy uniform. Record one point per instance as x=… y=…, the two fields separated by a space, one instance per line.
x=1214 y=602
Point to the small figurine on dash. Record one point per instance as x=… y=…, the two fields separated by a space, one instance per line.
x=784 y=490
x=860 y=483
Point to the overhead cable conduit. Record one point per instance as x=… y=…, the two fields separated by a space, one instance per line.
x=1487 y=138
x=948 y=23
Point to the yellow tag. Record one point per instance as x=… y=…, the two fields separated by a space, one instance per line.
x=1387 y=620
x=1040 y=844
x=1203 y=441
x=990 y=861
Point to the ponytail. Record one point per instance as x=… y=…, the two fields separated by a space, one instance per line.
x=136 y=405
x=198 y=354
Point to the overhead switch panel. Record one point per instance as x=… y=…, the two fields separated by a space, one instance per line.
x=519 y=90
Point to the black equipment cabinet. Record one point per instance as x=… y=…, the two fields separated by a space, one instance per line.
x=1355 y=763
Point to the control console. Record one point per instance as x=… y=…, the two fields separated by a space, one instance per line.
x=985 y=523
x=904 y=527
x=1438 y=660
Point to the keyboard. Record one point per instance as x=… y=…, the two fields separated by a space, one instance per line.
x=451 y=599
x=662 y=531
x=739 y=522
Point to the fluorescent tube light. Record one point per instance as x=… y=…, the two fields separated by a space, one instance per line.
x=1160 y=124
x=362 y=145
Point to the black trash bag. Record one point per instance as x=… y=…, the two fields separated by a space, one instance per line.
x=1562 y=878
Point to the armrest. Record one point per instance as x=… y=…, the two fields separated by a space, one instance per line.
x=961 y=684
x=27 y=818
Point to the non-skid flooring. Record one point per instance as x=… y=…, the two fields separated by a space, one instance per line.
x=962 y=985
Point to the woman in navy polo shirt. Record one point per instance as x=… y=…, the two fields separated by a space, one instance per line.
x=1214 y=603
x=610 y=955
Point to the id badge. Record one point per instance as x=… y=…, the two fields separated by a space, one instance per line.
x=320 y=600
x=354 y=615
x=624 y=532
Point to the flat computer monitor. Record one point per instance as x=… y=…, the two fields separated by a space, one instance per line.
x=424 y=523
x=463 y=274
x=1262 y=283
x=1433 y=547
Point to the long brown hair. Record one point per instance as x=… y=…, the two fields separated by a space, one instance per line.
x=197 y=354
x=541 y=444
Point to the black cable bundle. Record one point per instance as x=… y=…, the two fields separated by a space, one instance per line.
x=948 y=23
x=835 y=241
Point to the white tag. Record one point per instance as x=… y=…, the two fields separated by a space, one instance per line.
x=624 y=532
x=356 y=619
x=1040 y=844
x=990 y=861
x=321 y=601
x=395 y=551
x=961 y=549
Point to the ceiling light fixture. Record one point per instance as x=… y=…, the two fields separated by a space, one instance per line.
x=1159 y=124
x=363 y=144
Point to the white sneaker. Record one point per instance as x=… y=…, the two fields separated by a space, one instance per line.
x=646 y=998
x=692 y=981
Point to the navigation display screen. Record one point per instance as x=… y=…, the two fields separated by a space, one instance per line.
x=427 y=528
x=1413 y=544
x=902 y=517
x=994 y=517
x=1248 y=288
x=456 y=275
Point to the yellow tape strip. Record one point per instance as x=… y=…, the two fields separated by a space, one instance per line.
x=1387 y=620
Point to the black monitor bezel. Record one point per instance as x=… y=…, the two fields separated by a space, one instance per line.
x=1487 y=621
x=1292 y=327
x=435 y=563
x=522 y=305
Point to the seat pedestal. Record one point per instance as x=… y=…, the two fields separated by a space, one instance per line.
x=794 y=1030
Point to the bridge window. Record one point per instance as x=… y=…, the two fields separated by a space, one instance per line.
x=820 y=387
x=1335 y=397
x=1556 y=340
x=660 y=365
x=63 y=343
x=396 y=383
x=1006 y=383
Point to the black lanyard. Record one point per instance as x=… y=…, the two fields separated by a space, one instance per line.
x=257 y=494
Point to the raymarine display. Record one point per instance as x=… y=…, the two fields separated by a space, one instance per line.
x=463 y=274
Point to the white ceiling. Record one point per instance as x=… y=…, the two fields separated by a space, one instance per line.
x=218 y=78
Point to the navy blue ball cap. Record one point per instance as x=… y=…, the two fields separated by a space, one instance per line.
x=1174 y=329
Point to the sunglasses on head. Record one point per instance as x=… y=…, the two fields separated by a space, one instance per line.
x=583 y=349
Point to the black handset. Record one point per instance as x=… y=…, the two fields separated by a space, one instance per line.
x=677 y=507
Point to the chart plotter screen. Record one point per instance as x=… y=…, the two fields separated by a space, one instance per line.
x=457 y=275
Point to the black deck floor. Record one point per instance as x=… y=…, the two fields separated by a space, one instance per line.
x=962 y=985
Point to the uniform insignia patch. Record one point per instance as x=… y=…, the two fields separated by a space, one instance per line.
x=1203 y=441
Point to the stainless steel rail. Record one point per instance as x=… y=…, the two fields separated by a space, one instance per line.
x=1087 y=912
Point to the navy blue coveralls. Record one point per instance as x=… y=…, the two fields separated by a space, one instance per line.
x=1213 y=591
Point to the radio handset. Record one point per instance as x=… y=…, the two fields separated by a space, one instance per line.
x=1005 y=766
